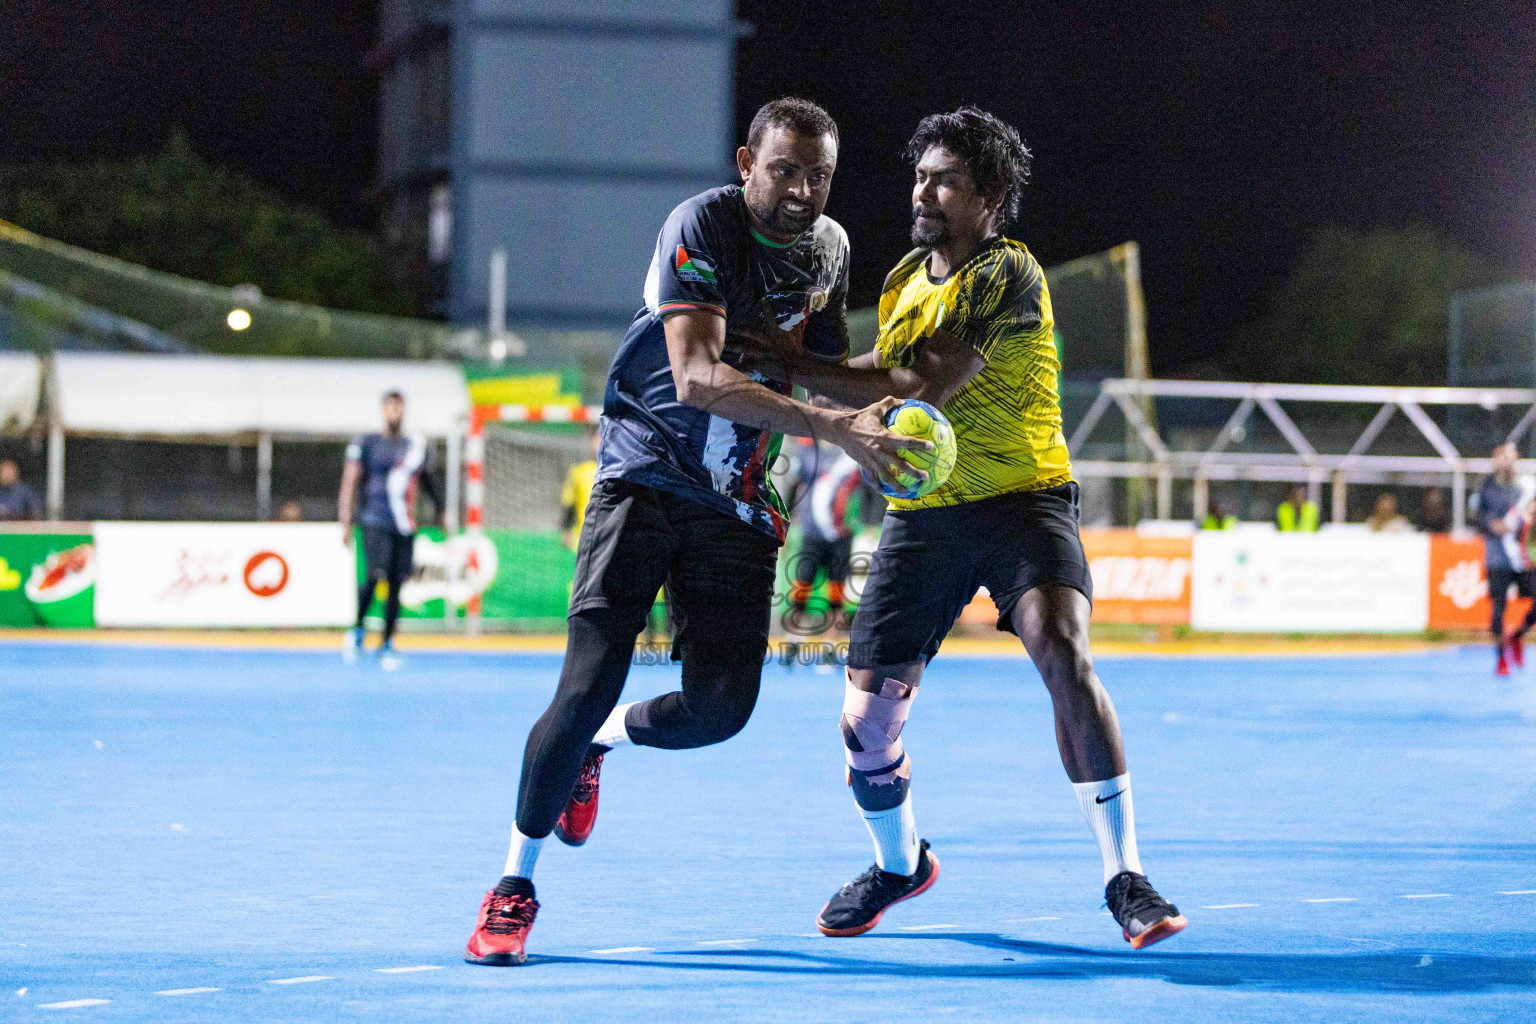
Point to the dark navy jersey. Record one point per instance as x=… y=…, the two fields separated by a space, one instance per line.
x=393 y=470
x=709 y=258
x=1492 y=502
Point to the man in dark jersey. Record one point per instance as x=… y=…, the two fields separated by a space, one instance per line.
x=1500 y=514
x=682 y=496
x=389 y=469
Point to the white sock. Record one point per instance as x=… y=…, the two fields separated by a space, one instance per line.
x=1107 y=806
x=522 y=855
x=612 y=733
x=895 y=835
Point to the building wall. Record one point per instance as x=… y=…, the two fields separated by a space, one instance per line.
x=573 y=128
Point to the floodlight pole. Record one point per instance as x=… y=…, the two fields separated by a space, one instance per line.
x=264 y=476
x=55 y=467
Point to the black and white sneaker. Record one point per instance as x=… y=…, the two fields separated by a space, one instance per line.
x=857 y=907
x=1144 y=916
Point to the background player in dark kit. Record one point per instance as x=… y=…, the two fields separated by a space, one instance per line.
x=682 y=494
x=1498 y=514
x=388 y=469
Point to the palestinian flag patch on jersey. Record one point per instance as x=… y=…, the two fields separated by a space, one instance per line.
x=693 y=268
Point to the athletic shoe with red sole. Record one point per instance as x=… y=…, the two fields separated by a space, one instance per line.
x=501 y=934
x=1502 y=668
x=1144 y=916
x=580 y=814
x=1517 y=650
x=859 y=905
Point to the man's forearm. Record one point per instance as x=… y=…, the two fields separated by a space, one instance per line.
x=856 y=386
x=733 y=395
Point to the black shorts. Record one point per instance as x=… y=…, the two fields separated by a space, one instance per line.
x=818 y=553
x=1500 y=579
x=388 y=554
x=719 y=571
x=931 y=562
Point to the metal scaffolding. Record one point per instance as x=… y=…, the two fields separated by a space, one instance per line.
x=1304 y=463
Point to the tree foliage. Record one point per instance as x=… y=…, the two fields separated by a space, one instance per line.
x=1362 y=308
x=177 y=213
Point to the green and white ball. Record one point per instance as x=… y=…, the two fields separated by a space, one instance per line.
x=919 y=419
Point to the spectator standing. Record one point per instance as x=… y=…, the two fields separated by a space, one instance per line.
x=1386 y=518
x=17 y=499
x=1297 y=514
x=1434 y=512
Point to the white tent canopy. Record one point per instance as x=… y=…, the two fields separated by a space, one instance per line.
x=228 y=396
x=20 y=375
x=241 y=398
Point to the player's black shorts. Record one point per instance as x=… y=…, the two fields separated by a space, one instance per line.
x=718 y=570
x=1500 y=579
x=819 y=553
x=387 y=553
x=930 y=563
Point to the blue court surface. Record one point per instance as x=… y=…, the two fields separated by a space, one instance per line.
x=207 y=835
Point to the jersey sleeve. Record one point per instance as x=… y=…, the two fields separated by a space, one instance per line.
x=687 y=263
x=355 y=450
x=1001 y=296
x=826 y=329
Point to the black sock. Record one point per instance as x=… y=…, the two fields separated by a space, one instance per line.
x=512 y=885
x=364 y=599
x=391 y=611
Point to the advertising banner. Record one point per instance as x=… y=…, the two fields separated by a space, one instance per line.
x=1258 y=581
x=1139 y=579
x=47 y=579
x=223 y=574
x=1458 y=587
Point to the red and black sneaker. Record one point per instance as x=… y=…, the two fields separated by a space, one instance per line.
x=502 y=930
x=858 y=906
x=1517 y=649
x=580 y=814
x=1502 y=667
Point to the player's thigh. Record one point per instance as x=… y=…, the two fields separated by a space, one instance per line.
x=721 y=581
x=625 y=548
x=1031 y=539
x=921 y=576
x=402 y=552
x=377 y=551
x=809 y=559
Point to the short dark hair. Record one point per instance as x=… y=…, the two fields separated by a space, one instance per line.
x=794 y=114
x=397 y=396
x=998 y=159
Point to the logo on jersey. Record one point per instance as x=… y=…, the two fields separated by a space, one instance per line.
x=693 y=268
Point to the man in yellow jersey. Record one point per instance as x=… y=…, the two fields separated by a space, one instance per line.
x=573 y=497
x=966 y=325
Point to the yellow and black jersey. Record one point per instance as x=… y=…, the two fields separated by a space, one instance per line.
x=1007 y=418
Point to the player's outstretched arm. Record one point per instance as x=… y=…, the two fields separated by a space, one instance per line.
x=943 y=365
x=695 y=340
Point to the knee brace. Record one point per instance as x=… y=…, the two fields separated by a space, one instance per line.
x=878 y=769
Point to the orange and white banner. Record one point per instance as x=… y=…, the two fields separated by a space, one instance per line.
x=1458 y=587
x=1139 y=579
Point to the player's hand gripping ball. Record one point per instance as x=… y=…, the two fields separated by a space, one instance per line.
x=919 y=419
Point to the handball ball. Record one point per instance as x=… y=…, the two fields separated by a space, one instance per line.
x=919 y=419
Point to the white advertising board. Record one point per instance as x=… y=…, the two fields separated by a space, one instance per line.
x=1254 y=581
x=224 y=574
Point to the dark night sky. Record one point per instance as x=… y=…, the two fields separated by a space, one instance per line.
x=1217 y=135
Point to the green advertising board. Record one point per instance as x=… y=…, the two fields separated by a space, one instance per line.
x=47 y=579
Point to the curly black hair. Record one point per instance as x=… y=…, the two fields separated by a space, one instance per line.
x=998 y=159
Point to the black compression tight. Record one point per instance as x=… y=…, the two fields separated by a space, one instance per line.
x=719 y=691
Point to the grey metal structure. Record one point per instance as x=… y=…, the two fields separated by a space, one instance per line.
x=1304 y=463
x=563 y=131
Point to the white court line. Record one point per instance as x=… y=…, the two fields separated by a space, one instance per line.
x=627 y=949
x=1517 y=892
x=1424 y=896
x=1228 y=906
x=1332 y=899
x=300 y=981
x=186 y=991
x=73 y=1004
x=407 y=970
x=724 y=942
x=925 y=927
x=1023 y=920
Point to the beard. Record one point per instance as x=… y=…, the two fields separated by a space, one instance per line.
x=932 y=230
x=782 y=221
